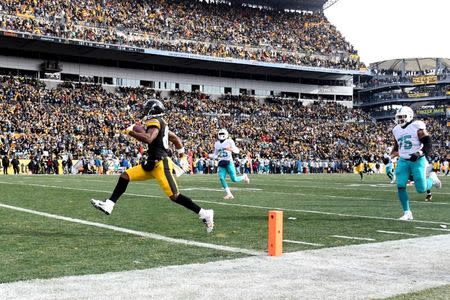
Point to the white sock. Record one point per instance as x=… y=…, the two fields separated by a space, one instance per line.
x=227 y=190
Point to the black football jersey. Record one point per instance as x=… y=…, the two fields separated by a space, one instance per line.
x=158 y=149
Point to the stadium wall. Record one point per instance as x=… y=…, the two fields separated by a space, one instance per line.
x=187 y=82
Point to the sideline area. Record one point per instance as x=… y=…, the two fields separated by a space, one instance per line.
x=375 y=270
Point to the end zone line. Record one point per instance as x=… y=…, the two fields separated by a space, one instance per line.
x=135 y=232
x=352 y=238
x=237 y=205
x=397 y=232
x=303 y=243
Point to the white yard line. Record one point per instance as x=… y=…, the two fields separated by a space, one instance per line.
x=239 y=205
x=367 y=271
x=436 y=229
x=302 y=243
x=134 y=232
x=352 y=238
x=76 y=189
x=397 y=232
x=220 y=190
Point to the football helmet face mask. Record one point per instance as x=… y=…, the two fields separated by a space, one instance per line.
x=153 y=108
x=222 y=135
x=404 y=115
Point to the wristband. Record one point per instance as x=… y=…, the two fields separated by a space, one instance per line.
x=181 y=150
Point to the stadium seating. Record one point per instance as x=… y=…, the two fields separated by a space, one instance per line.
x=188 y=26
x=85 y=120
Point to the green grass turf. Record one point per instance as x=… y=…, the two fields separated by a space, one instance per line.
x=438 y=293
x=316 y=207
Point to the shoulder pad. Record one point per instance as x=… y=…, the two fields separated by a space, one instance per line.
x=419 y=124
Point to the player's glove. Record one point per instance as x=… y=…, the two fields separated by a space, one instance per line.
x=185 y=164
x=128 y=129
x=415 y=156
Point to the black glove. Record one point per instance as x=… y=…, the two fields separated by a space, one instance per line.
x=415 y=156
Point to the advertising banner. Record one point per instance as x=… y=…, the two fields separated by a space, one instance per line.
x=426 y=79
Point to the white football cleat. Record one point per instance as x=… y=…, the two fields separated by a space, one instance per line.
x=436 y=182
x=406 y=216
x=104 y=206
x=208 y=219
x=246 y=179
x=393 y=179
x=228 y=197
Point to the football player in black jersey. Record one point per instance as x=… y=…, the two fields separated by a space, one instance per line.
x=157 y=165
x=358 y=163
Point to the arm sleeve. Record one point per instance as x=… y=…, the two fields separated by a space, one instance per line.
x=419 y=125
x=426 y=141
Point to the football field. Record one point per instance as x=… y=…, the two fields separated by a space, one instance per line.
x=49 y=229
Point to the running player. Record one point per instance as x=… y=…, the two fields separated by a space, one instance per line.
x=389 y=162
x=411 y=143
x=223 y=151
x=157 y=165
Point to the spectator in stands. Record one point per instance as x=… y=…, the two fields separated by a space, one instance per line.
x=33 y=120
x=206 y=28
x=5 y=164
x=15 y=164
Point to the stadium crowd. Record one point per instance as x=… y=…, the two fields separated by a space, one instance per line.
x=214 y=29
x=83 y=122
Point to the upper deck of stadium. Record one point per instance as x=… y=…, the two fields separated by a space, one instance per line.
x=306 y=5
x=235 y=38
x=405 y=81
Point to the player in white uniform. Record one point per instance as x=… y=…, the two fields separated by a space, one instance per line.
x=412 y=144
x=223 y=151
x=389 y=163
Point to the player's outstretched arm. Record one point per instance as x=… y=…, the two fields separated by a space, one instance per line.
x=234 y=149
x=425 y=139
x=173 y=138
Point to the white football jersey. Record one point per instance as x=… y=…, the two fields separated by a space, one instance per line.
x=220 y=151
x=407 y=139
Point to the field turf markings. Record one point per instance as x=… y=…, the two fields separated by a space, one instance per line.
x=239 y=205
x=397 y=232
x=428 y=228
x=353 y=238
x=254 y=190
x=135 y=232
x=74 y=189
x=302 y=243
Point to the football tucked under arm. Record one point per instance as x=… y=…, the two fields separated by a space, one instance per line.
x=134 y=127
x=138 y=128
